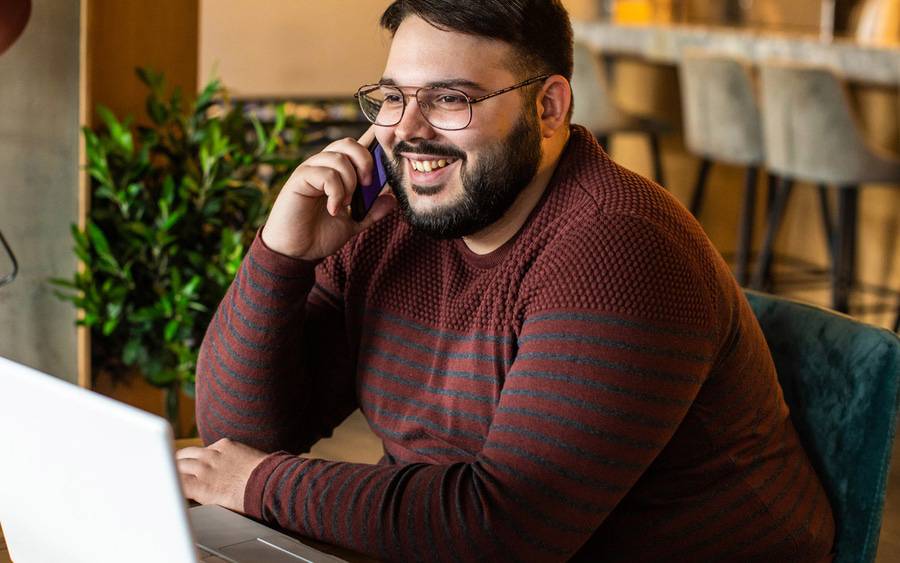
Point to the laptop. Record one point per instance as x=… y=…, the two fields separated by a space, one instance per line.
x=85 y=478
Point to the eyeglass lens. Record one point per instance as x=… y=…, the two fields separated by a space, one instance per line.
x=443 y=108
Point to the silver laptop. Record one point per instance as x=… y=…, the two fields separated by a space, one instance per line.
x=84 y=478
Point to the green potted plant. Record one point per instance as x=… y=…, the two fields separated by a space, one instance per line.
x=175 y=205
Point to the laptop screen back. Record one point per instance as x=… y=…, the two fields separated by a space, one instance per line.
x=85 y=478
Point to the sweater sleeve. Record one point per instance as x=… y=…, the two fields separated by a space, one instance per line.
x=610 y=357
x=274 y=370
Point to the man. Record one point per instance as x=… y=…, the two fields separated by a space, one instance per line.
x=557 y=360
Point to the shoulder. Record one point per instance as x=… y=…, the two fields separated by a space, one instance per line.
x=634 y=263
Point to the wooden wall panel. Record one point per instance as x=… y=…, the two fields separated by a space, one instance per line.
x=162 y=34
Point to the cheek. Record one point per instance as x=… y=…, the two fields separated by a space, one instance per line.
x=385 y=137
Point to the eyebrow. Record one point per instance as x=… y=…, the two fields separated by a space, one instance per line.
x=449 y=83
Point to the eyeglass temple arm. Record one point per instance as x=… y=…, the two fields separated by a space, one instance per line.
x=15 y=264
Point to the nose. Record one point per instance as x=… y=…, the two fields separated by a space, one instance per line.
x=413 y=125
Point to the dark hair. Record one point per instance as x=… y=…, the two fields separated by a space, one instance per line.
x=538 y=30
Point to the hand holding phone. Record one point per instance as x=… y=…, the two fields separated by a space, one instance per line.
x=311 y=217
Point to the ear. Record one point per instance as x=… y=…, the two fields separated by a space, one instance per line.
x=553 y=103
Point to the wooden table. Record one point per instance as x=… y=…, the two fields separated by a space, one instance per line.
x=4 y=553
x=665 y=43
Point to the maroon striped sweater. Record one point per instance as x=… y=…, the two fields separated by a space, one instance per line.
x=597 y=388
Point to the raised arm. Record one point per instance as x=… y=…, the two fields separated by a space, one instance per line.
x=275 y=371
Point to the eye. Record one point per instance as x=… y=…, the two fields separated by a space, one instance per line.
x=392 y=98
x=451 y=99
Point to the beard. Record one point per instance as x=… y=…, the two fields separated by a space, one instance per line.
x=503 y=170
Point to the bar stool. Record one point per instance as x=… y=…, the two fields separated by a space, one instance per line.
x=722 y=124
x=810 y=134
x=596 y=107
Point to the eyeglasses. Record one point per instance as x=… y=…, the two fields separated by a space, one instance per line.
x=12 y=275
x=443 y=108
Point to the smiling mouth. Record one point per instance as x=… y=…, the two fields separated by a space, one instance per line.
x=429 y=166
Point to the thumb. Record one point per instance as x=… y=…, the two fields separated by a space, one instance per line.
x=380 y=209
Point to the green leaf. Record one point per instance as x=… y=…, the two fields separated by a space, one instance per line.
x=98 y=239
x=171 y=330
x=109 y=326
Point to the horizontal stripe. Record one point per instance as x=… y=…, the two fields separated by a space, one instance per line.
x=475 y=336
x=588 y=361
x=213 y=344
x=431 y=351
x=280 y=317
x=268 y=291
x=610 y=343
x=447 y=412
x=244 y=341
x=559 y=444
x=643 y=420
x=439 y=429
x=235 y=355
x=429 y=388
x=545 y=489
x=257 y=307
x=560 y=470
x=579 y=425
x=618 y=321
x=432 y=371
x=601 y=385
x=269 y=274
x=248 y=399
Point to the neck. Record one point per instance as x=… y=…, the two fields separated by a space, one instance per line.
x=499 y=232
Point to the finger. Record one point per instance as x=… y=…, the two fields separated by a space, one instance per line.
x=319 y=181
x=358 y=153
x=341 y=163
x=368 y=136
x=191 y=487
x=335 y=191
x=189 y=452
x=191 y=466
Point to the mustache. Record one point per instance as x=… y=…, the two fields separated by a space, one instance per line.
x=429 y=148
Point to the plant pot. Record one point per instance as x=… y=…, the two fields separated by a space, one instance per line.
x=134 y=390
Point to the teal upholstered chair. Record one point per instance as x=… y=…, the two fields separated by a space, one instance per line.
x=841 y=380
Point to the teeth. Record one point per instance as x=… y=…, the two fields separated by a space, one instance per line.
x=430 y=165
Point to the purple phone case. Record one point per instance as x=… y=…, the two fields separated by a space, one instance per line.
x=370 y=191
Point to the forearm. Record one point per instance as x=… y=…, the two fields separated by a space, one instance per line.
x=249 y=361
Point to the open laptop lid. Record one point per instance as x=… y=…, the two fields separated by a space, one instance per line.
x=85 y=478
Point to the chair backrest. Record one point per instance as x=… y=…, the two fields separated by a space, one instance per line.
x=594 y=104
x=841 y=380
x=721 y=116
x=810 y=132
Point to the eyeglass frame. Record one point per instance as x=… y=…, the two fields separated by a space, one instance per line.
x=470 y=99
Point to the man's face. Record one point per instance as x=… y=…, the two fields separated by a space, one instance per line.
x=488 y=163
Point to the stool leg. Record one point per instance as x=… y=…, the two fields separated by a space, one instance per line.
x=771 y=189
x=745 y=231
x=773 y=222
x=826 y=219
x=656 y=155
x=700 y=187
x=844 y=263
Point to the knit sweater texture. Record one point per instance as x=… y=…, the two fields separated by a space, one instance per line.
x=596 y=389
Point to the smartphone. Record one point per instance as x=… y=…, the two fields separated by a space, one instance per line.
x=365 y=195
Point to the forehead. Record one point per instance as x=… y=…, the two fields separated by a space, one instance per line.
x=421 y=54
